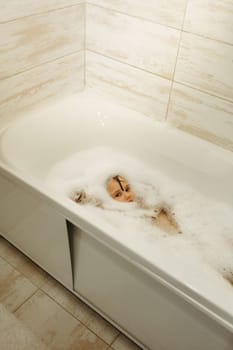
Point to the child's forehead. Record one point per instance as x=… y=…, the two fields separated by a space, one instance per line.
x=113 y=182
x=116 y=179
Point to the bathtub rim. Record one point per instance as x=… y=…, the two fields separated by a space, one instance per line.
x=181 y=289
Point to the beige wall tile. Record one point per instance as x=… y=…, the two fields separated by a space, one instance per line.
x=129 y=40
x=30 y=41
x=15 y=289
x=165 y=12
x=211 y=18
x=203 y=115
x=23 y=264
x=81 y=311
x=14 y=8
x=56 y=327
x=206 y=64
x=123 y=343
x=135 y=88
x=46 y=82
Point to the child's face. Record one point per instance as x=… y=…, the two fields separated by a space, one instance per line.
x=120 y=190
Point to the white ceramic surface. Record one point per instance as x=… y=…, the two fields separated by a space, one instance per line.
x=34 y=143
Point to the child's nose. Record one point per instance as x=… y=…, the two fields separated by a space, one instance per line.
x=128 y=197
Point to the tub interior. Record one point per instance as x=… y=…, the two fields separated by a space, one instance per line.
x=37 y=141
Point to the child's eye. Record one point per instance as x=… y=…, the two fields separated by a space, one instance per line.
x=118 y=194
x=127 y=189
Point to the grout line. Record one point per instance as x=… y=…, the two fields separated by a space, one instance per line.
x=203 y=36
x=31 y=262
x=133 y=16
x=41 y=289
x=23 y=274
x=176 y=61
x=42 y=13
x=26 y=300
x=162 y=77
x=76 y=318
x=225 y=99
x=181 y=28
x=159 y=76
x=42 y=64
x=128 y=64
x=114 y=339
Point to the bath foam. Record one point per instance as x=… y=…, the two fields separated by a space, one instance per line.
x=202 y=254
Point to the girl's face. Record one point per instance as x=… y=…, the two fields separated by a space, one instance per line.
x=120 y=190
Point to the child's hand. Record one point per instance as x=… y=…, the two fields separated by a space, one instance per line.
x=79 y=197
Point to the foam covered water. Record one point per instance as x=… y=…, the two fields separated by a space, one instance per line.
x=207 y=225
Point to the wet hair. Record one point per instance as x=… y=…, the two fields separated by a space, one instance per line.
x=117 y=178
x=119 y=181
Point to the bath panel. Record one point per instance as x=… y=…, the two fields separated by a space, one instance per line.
x=36 y=229
x=140 y=304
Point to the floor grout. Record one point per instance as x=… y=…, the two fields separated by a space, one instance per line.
x=25 y=301
x=39 y=288
x=76 y=318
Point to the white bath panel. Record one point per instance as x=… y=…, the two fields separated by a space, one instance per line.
x=43 y=236
x=149 y=311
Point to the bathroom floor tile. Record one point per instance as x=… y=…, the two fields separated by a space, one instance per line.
x=23 y=264
x=56 y=327
x=15 y=289
x=123 y=343
x=81 y=311
x=14 y=335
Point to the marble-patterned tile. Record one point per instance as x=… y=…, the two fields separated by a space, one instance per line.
x=124 y=343
x=80 y=311
x=206 y=64
x=132 y=87
x=14 y=335
x=40 y=38
x=23 y=264
x=129 y=40
x=41 y=84
x=13 y=9
x=56 y=327
x=169 y=13
x=203 y=115
x=213 y=19
x=15 y=289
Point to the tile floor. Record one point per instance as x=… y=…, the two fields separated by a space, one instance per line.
x=52 y=313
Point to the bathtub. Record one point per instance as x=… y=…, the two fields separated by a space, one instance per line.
x=157 y=308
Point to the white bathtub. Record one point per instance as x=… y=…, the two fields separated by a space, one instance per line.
x=158 y=308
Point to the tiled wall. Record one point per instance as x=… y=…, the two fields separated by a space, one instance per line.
x=172 y=60
x=41 y=52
